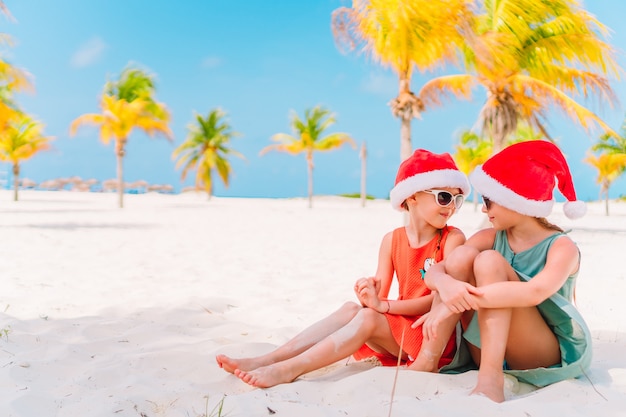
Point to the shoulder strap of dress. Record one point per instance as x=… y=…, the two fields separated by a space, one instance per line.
x=550 y=239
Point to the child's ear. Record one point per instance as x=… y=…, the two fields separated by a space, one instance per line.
x=411 y=199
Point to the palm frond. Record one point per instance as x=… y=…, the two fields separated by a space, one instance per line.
x=334 y=141
x=549 y=95
x=400 y=34
x=459 y=86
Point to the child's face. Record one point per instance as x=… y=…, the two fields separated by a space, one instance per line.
x=436 y=205
x=500 y=217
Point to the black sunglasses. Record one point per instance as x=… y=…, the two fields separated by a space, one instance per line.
x=445 y=198
x=487 y=202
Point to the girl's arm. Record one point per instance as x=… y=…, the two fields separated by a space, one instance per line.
x=410 y=307
x=562 y=261
x=384 y=271
x=370 y=291
x=455 y=238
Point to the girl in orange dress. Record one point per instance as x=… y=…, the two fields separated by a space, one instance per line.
x=410 y=265
x=430 y=188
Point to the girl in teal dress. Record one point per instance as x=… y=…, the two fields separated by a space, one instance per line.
x=512 y=285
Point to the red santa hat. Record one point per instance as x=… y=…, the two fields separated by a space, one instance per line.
x=425 y=170
x=522 y=177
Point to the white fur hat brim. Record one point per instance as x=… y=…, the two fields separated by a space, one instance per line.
x=494 y=190
x=448 y=178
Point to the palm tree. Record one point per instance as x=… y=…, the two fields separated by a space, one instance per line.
x=611 y=163
x=610 y=166
x=529 y=55
x=117 y=120
x=206 y=150
x=472 y=151
x=403 y=35
x=363 y=157
x=21 y=139
x=12 y=79
x=612 y=144
x=127 y=104
x=307 y=138
x=133 y=84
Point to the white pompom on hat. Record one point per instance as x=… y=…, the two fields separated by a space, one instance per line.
x=425 y=170
x=522 y=178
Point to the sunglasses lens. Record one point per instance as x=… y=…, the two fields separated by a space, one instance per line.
x=444 y=198
x=487 y=203
x=458 y=200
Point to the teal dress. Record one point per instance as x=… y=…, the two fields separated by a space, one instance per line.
x=558 y=312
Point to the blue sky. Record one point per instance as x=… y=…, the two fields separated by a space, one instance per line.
x=257 y=61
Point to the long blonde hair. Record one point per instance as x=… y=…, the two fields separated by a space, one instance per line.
x=546 y=224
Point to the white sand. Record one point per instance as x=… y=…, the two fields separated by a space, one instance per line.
x=116 y=312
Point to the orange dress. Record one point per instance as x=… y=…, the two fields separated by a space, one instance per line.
x=410 y=265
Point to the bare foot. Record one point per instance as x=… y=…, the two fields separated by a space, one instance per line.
x=426 y=361
x=424 y=366
x=244 y=364
x=492 y=390
x=266 y=376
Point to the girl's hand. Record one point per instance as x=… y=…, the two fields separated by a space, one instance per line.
x=459 y=296
x=366 y=291
x=358 y=286
x=431 y=320
x=377 y=284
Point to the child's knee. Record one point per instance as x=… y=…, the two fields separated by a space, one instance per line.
x=368 y=319
x=487 y=264
x=351 y=308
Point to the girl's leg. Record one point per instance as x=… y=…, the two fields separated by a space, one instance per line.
x=431 y=351
x=301 y=342
x=519 y=335
x=366 y=326
x=458 y=265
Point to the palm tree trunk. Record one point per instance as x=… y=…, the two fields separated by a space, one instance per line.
x=309 y=160
x=406 y=148
x=363 y=174
x=406 y=115
x=606 y=201
x=16 y=180
x=498 y=142
x=120 y=178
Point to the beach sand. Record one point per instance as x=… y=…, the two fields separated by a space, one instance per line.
x=109 y=312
